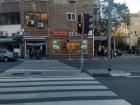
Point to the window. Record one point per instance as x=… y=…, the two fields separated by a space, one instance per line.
x=71 y=16
x=64 y=47
x=74 y=47
x=36 y=16
x=55 y=47
x=9 y=18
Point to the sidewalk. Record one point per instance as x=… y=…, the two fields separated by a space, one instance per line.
x=37 y=68
x=106 y=73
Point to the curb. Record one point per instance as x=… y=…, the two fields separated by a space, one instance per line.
x=111 y=74
x=98 y=74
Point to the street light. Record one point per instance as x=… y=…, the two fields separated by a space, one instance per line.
x=109 y=33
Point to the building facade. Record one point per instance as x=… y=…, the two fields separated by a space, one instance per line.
x=134 y=33
x=51 y=26
x=9 y=24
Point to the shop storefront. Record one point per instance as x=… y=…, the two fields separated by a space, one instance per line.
x=36 y=45
x=66 y=46
x=10 y=44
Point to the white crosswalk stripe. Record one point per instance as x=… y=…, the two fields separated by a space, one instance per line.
x=57 y=91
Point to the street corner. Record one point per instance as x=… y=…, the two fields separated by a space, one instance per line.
x=106 y=73
x=98 y=73
x=134 y=74
x=120 y=74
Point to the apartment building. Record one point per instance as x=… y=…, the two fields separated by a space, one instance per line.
x=134 y=33
x=9 y=24
x=51 y=26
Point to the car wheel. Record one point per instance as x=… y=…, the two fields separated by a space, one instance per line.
x=5 y=59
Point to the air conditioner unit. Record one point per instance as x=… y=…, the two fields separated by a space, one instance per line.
x=40 y=25
x=31 y=22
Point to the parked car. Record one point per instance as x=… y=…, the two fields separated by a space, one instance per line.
x=6 y=55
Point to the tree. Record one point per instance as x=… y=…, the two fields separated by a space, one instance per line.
x=120 y=14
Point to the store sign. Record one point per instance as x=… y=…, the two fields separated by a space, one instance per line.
x=101 y=38
x=66 y=34
x=59 y=34
x=36 y=44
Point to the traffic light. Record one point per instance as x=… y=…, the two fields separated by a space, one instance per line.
x=67 y=40
x=88 y=23
x=80 y=27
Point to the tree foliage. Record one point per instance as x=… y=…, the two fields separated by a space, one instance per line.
x=120 y=14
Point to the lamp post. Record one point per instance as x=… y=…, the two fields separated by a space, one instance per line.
x=109 y=33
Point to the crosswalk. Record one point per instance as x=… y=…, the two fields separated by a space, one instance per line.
x=56 y=91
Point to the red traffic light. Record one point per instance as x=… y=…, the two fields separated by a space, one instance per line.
x=80 y=27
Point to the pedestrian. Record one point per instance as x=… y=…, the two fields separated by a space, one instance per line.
x=37 y=53
x=32 y=52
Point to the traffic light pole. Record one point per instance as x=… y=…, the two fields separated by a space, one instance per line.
x=69 y=47
x=109 y=34
x=81 y=45
x=93 y=44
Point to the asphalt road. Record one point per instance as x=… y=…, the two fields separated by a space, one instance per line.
x=7 y=65
x=123 y=63
x=126 y=88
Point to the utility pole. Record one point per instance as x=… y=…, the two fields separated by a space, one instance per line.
x=81 y=44
x=109 y=34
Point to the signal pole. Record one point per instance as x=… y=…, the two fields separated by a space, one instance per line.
x=81 y=44
x=109 y=34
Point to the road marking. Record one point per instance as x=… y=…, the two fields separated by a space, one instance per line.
x=83 y=102
x=50 y=83
x=41 y=91
x=51 y=88
x=49 y=79
x=57 y=95
x=41 y=70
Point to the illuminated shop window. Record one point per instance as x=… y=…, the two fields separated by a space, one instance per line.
x=74 y=47
x=64 y=47
x=36 y=16
x=55 y=47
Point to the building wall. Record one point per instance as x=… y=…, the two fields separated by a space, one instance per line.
x=57 y=21
x=10 y=29
x=56 y=10
x=6 y=7
x=134 y=33
x=59 y=8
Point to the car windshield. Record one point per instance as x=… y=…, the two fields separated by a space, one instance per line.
x=69 y=52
